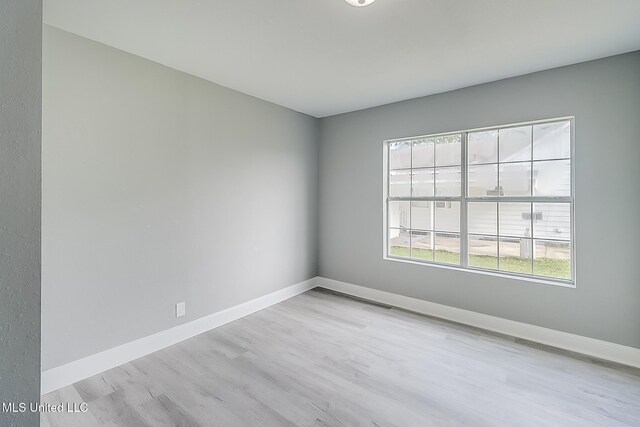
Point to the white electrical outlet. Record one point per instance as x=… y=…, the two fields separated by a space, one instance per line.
x=180 y=309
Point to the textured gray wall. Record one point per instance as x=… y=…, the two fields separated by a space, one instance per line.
x=160 y=187
x=20 y=154
x=604 y=96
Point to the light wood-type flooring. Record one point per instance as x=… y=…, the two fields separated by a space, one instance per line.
x=323 y=359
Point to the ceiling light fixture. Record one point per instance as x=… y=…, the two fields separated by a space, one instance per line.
x=359 y=3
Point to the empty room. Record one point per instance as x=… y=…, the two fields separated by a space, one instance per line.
x=319 y=213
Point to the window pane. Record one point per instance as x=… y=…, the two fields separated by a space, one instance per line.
x=517 y=163
x=515 y=179
x=515 y=219
x=447 y=216
x=515 y=144
x=400 y=155
x=483 y=147
x=447 y=248
x=552 y=141
x=422 y=245
x=422 y=182
x=399 y=215
x=448 y=181
x=515 y=255
x=483 y=218
x=448 y=150
x=398 y=242
x=422 y=215
x=482 y=181
x=483 y=252
x=423 y=152
x=552 y=259
x=552 y=178
x=552 y=221
x=400 y=183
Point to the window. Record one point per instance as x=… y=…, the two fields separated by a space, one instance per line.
x=496 y=199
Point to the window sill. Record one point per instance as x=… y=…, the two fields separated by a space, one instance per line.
x=512 y=276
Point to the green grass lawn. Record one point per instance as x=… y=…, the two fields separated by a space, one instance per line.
x=547 y=267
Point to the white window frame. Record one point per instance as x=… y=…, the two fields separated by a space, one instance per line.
x=464 y=199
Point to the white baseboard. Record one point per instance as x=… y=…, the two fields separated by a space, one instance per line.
x=61 y=376
x=579 y=344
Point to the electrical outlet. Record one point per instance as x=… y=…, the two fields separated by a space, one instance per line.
x=180 y=309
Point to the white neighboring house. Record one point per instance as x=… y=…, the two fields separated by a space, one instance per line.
x=549 y=178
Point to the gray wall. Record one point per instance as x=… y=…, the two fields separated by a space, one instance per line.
x=604 y=96
x=160 y=187
x=20 y=137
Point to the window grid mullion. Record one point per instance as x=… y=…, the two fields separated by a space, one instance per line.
x=464 y=199
x=498 y=233
x=464 y=235
x=410 y=202
x=388 y=243
x=531 y=242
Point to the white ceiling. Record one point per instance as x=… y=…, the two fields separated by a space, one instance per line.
x=324 y=57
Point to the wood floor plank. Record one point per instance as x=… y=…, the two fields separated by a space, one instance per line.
x=162 y=411
x=114 y=410
x=322 y=359
x=94 y=387
x=66 y=395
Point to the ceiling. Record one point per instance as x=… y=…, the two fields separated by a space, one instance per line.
x=325 y=57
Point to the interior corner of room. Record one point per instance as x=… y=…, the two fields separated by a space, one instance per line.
x=278 y=234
